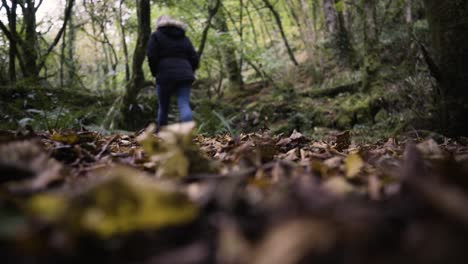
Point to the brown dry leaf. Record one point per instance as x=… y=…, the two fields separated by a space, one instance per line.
x=7 y=136
x=284 y=141
x=233 y=247
x=291 y=155
x=343 y=141
x=430 y=149
x=353 y=165
x=334 y=162
x=296 y=135
x=26 y=167
x=294 y=240
x=339 y=186
x=374 y=186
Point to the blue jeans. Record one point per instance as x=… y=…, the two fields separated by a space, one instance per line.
x=165 y=92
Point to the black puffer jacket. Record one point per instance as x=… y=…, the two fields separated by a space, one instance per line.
x=171 y=55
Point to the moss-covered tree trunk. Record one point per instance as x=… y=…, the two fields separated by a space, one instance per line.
x=448 y=21
x=30 y=47
x=13 y=48
x=338 y=33
x=130 y=110
x=228 y=51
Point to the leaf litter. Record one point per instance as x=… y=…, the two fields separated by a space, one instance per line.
x=178 y=197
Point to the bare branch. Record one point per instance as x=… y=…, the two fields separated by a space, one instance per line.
x=59 y=34
x=280 y=26
x=7 y=8
x=38 y=5
x=212 y=12
x=5 y=31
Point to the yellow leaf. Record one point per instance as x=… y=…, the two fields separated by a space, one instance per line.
x=67 y=138
x=127 y=204
x=353 y=165
x=172 y=164
x=121 y=201
x=47 y=207
x=147 y=139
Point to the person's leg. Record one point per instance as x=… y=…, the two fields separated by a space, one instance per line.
x=183 y=101
x=164 y=99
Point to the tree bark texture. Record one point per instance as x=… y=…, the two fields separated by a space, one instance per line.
x=13 y=50
x=338 y=33
x=130 y=107
x=449 y=33
x=30 y=48
x=331 y=20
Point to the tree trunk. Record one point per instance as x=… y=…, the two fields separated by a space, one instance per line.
x=309 y=30
x=130 y=109
x=280 y=26
x=124 y=42
x=241 y=34
x=338 y=33
x=29 y=59
x=299 y=11
x=371 y=60
x=62 y=59
x=211 y=13
x=30 y=49
x=13 y=48
x=229 y=52
x=409 y=12
x=331 y=20
x=449 y=32
x=345 y=48
x=70 y=52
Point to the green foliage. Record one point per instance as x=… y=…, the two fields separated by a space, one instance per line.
x=212 y=118
x=46 y=109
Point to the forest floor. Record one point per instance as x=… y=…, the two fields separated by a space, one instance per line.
x=70 y=196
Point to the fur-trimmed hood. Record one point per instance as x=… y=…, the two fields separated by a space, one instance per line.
x=167 y=21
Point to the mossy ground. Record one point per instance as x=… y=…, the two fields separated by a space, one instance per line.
x=46 y=108
x=388 y=109
x=393 y=106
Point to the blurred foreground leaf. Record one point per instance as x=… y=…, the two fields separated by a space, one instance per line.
x=123 y=202
x=173 y=152
x=353 y=164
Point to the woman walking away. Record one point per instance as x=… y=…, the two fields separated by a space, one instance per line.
x=173 y=61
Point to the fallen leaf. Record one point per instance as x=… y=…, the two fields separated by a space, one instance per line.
x=353 y=165
x=68 y=137
x=338 y=186
x=343 y=140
